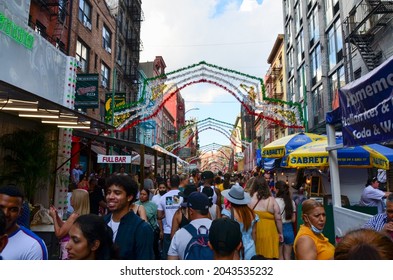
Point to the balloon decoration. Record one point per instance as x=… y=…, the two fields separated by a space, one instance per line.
x=247 y=89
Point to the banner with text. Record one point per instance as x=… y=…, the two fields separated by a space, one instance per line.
x=120 y=101
x=86 y=95
x=367 y=106
x=113 y=159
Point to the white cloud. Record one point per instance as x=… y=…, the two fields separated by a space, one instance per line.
x=185 y=32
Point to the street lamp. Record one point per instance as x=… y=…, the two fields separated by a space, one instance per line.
x=190 y=110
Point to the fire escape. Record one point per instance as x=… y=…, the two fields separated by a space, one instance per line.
x=133 y=40
x=364 y=22
x=58 y=12
x=272 y=91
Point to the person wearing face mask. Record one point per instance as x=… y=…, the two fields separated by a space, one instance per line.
x=310 y=243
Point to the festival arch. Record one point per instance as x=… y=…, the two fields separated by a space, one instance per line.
x=248 y=90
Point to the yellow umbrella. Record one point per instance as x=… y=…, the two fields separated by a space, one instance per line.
x=314 y=154
x=285 y=145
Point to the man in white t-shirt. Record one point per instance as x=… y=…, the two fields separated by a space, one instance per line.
x=23 y=244
x=372 y=195
x=169 y=203
x=198 y=207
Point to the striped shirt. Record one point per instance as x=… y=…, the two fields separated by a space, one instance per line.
x=377 y=222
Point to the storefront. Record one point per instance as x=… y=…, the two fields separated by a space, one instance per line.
x=37 y=89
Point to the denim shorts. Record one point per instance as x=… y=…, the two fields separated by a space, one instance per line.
x=288 y=234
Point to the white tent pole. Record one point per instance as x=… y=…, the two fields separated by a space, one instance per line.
x=333 y=165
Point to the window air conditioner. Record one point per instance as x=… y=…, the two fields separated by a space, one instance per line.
x=119 y=62
x=103 y=83
x=87 y=24
x=108 y=49
x=78 y=64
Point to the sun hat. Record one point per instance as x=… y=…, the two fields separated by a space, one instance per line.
x=236 y=195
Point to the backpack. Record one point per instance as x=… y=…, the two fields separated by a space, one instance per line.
x=197 y=248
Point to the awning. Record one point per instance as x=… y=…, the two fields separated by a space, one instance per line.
x=179 y=160
x=314 y=154
x=10 y=92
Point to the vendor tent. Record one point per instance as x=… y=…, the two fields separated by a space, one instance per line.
x=283 y=146
x=314 y=154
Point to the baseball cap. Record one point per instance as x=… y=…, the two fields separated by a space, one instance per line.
x=207 y=175
x=225 y=235
x=187 y=191
x=198 y=201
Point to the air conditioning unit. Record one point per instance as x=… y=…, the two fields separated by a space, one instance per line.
x=78 y=64
x=119 y=62
x=108 y=49
x=87 y=24
x=82 y=64
x=103 y=83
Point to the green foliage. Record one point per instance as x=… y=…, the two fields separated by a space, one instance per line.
x=28 y=159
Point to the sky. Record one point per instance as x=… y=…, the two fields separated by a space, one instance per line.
x=234 y=34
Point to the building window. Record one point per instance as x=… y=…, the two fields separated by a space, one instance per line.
x=84 y=13
x=316 y=68
x=106 y=39
x=301 y=80
x=291 y=91
x=317 y=105
x=290 y=63
x=288 y=34
x=336 y=81
x=313 y=27
x=298 y=17
x=357 y=73
x=62 y=10
x=121 y=22
x=335 y=44
x=82 y=55
x=104 y=75
x=300 y=48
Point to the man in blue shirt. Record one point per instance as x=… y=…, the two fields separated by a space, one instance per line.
x=133 y=236
x=383 y=222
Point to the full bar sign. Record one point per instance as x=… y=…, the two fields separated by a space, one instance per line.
x=113 y=159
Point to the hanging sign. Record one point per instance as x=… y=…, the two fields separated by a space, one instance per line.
x=86 y=95
x=367 y=107
x=113 y=159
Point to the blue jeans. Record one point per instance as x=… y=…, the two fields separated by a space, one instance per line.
x=165 y=246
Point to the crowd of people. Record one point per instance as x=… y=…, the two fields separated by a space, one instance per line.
x=201 y=215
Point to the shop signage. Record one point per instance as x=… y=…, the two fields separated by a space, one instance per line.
x=113 y=159
x=275 y=152
x=15 y=32
x=120 y=101
x=366 y=106
x=86 y=95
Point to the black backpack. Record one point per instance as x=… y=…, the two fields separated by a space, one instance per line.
x=197 y=248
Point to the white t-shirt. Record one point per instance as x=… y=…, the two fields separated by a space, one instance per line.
x=169 y=203
x=182 y=237
x=25 y=245
x=372 y=197
x=156 y=199
x=115 y=228
x=281 y=204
